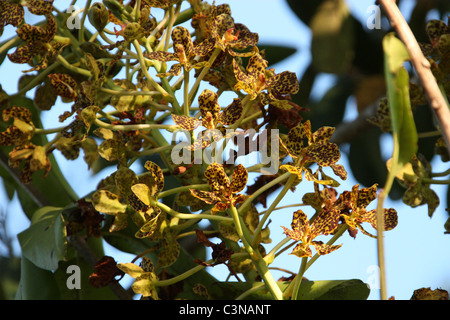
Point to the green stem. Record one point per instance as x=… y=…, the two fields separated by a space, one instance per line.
x=73 y=68
x=150 y=80
x=441 y=174
x=187 y=216
x=204 y=71
x=150 y=152
x=299 y=278
x=433 y=181
x=258 y=261
x=134 y=127
x=48 y=131
x=182 y=189
x=277 y=200
x=429 y=134
x=185 y=275
x=83 y=19
x=337 y=235
x=380 y=244
x=137 y=9
x=245 y=206
x=186 y=103
x=271 y=255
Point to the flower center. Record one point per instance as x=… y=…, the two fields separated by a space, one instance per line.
x=229 y=36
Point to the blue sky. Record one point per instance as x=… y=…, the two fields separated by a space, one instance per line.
x=414 y=258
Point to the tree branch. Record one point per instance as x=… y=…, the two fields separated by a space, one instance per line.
x=423 y=68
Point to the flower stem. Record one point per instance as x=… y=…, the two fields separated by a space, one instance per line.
x=149 y=78
x=204 y=71
x=182 y=189
x=134 y=127
x=433 y=181
x=245 y=206
x=180 y=277
x=277 y=200
x=187 y=216
x=299 y=278
x=83 y=19
x=337 y=235
x=259 y=262
x=186 y=103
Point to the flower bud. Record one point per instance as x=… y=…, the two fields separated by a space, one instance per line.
x=98 y=15
x=132 y=31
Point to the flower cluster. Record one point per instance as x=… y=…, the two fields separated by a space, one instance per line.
x=130 y=79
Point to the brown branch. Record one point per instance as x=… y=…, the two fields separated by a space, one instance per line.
x=347 y=131
x=422 y=66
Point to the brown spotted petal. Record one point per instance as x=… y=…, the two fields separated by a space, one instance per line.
x=15 y=112
x=339 y=170
x=323 y=134
x=256 y=67
x=40 y=7
x=232 y=113
x=11 y=13
x=390 y=218
x=181 y=36
x=175 y=70
x=22 y=129
x=241 y=76
x=187 y=123
x=239 y=179
x=325 y=223
x=200 y=144
x=64 y=85
x=30 y=33
x=293 y=169
x=366 y=196
x=283 y=83
x=324 y=154
x=323 y=248
x=157 y=174
x=295 y=140
x=217 y=178
x=163 y=4
x=205 y=196
x=300 y=226
x=161 y=56
x=302 y=250
x=208 y=103
x=25 y=53
x=203 y=48
x=246 y=38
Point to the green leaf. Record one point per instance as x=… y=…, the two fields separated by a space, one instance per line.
x=353 y=289
x=275 y=54
x=44 y=243
x=403 y=126
x=332 y=41
x=36 y=283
